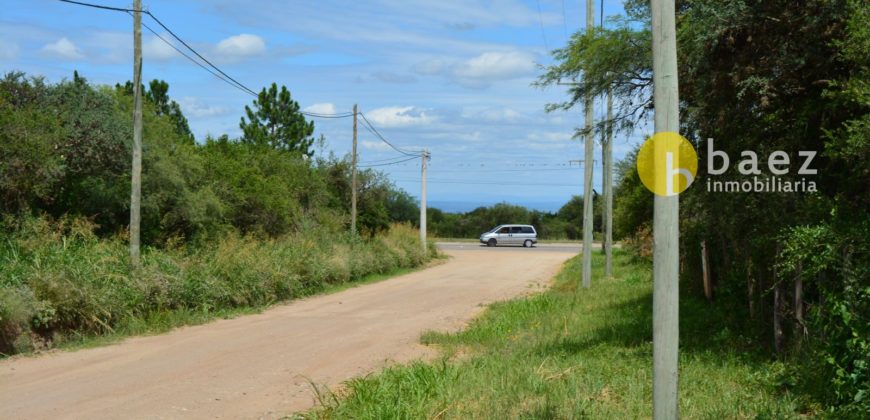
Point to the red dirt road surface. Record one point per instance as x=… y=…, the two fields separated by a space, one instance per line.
x=258 y=366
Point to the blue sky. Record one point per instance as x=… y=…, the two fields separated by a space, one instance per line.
x=451 y=76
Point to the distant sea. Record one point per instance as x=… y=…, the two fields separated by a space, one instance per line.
x=466 y=206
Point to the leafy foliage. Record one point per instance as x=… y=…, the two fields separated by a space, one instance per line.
x=59 y=281
x=226 y=223
x=564 y=224
x=762 y=76
x=275 y=121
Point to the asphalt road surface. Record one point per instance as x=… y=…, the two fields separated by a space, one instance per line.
x=539 y=247
x=259 y=366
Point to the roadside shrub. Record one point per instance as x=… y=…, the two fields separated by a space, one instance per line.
x=58 y=279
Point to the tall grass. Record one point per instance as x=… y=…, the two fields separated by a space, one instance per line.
x=59 y=281
x=569 y=353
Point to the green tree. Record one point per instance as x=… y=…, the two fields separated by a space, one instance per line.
x=402 y=207
x=275 y=121
x=158 y=94
x=762 y=76
x=30 y=167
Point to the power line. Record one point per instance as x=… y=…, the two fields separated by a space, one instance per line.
x=368 y=125
x=228 y=79
x=541 y=20
x=390 y=163
x=387 y=160
x=318 y=115
x=437 y=170
x=511 y=184
x=98 y=6
x=383 y=160
x=564 y=20
x=223 y=75
x=235 y=82
x=192 y=60
x=601 y=22
x=200 y=55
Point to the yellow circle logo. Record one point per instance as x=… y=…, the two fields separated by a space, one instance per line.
x=667 y=163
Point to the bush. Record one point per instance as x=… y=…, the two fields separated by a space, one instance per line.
x=58 y=279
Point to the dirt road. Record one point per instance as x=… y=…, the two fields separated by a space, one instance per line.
x=258 y=366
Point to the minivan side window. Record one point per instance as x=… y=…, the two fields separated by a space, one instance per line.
x=516 y=229
x=528 y=229
x=504 y=230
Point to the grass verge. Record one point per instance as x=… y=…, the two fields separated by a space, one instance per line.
x=164 y=321
x=61 y=286
x=570 y=353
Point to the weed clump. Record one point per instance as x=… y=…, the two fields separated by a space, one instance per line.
x=58 y=280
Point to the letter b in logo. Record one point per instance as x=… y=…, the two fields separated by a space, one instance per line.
x=667 y=163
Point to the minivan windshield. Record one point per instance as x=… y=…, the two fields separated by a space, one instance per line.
x=493 y=229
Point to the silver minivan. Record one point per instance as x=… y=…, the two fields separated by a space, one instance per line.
x=524 y=235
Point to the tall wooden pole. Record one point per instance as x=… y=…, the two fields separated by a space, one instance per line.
x=353 y=161
x=424 y=158
x=665 y=220
x=607 y=151
x=588 y=141
x=136 y=177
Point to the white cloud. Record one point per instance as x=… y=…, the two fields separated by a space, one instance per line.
x=63 y=49
x=8 y=49
x=375 y=145
x=431 y=66
x=324 y=108
x=242 y=45
x=155 y=49
x=493 y=114
x=195 y=108
x=551 y=136
x=489 y=12
x=390 y=77
x=491 y=66
x=547 y=146
x=481 y=70
x=473 y=136
x=399 y=116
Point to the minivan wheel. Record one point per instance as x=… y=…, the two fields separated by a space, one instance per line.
x=490 y=242
x=527 y=243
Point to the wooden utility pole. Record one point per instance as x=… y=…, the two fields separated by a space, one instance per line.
x=353 y=178
x=607 y=151
x=705 y=272
x=136 y=177
x=666 y=233
x=588 y=141
x=424 y=157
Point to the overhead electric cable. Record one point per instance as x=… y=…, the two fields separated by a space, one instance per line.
x=368 y=125
x=541 y=20
x=189 y=57
x=457 y=171
x=383 y=160
x=98 y=6
x=319 y=115
x=223 y=76
x=390 y=163
x=565 y=21
x=200 y=55
x=511 y=184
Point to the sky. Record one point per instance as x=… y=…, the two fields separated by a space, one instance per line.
x=451 y=76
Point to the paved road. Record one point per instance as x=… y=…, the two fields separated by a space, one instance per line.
x=259 y=366
x=540 y=247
